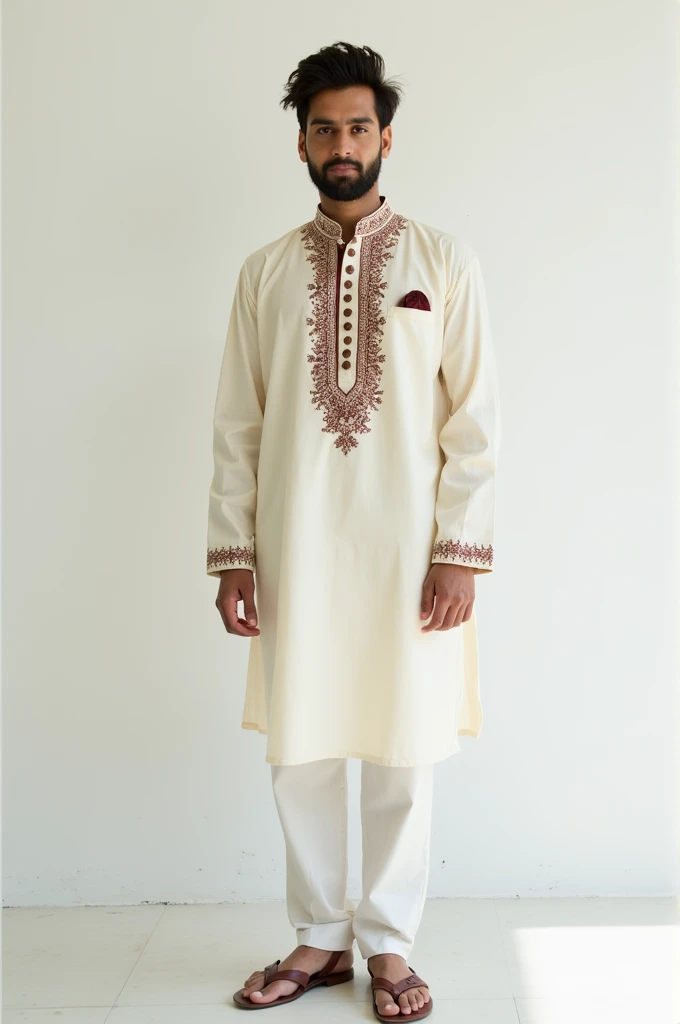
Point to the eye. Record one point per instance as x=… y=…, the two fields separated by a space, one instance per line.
x=327 y=127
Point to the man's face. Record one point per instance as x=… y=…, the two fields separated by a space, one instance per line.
x=342 y=128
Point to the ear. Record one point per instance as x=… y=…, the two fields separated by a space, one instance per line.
x=386 y=141
x=301 y=146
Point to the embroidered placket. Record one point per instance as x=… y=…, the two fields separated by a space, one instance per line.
x=347 y=312
x=346 y=318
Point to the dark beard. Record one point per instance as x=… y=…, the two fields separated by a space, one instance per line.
x=345 y=188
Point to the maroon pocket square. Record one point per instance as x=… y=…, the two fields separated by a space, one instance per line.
x=415 y=300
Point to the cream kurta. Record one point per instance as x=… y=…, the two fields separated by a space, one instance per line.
x=355 y=443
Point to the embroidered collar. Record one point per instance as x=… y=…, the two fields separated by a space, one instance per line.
x=366 y=226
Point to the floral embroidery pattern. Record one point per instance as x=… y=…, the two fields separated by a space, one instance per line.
x=450 y=550
x=219 y=558
x=364 y=226
x=348 y=414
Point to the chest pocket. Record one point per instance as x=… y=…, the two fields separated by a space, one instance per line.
x=423 y=316
x=412 y=333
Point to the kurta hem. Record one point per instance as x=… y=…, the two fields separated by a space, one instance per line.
x=392 y=762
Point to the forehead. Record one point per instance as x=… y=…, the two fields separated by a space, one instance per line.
x=342 y=104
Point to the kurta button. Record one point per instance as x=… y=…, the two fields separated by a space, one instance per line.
x=347 y=298
x=349 y=269
x=347 y=341
x=351 y=252
x=347 y=327
x=346 y=365
x=347 y=352
x=347 y=312
x=348 y=284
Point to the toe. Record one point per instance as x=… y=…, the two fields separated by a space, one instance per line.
x=253 y=983
x=385 y=1004
x=266 y=994
x=417 y=997
x=273 y=991
x=405 y=1003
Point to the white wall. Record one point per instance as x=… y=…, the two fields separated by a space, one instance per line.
x=145 y=155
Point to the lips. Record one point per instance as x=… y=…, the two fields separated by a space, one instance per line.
x=343 y=167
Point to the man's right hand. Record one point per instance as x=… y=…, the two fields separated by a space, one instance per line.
x=238 y=585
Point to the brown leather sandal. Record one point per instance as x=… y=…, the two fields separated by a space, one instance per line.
x=306 y=981
x=413 y=981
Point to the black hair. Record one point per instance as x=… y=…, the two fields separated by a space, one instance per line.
x=336 y=67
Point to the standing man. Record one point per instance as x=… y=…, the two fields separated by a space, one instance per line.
x=356 y=433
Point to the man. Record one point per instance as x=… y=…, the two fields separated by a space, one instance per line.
x=356 y=434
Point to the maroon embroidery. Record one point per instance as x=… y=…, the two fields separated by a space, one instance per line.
x=451 y=550
x=374 y=221
x=223 y=557
x=347 y=413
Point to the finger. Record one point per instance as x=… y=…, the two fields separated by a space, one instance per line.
x=461 y=613
x=218 y=605
x=246 y=629
x=440 y=607
x=450 y=618
x=249 y=609
x=229 y=611
x=427 y=600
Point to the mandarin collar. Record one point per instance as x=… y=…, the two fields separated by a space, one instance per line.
x=366 y=226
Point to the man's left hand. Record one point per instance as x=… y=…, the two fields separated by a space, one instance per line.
x=453 y=586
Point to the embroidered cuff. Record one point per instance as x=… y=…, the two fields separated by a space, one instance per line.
x=230 y=558
x=480 y=557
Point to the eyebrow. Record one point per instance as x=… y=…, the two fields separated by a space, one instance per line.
x=350 y=120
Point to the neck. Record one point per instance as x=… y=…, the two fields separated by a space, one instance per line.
x=349 y=212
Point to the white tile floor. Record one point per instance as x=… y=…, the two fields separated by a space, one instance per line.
x=497 y=961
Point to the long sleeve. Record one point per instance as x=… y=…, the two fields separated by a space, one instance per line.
x=237 y=429
x=470 y=438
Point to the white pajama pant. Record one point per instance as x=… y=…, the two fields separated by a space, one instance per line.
x=396 y=818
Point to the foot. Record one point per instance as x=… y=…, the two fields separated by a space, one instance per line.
x=303 y=958
x=395 y=968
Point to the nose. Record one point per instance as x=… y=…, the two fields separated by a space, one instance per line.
x=343 y=148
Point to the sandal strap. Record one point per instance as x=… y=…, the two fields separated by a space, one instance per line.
x=413 y=981
x=332 y=961
x=301 y=977
x=269 y=971
x=272 y=974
